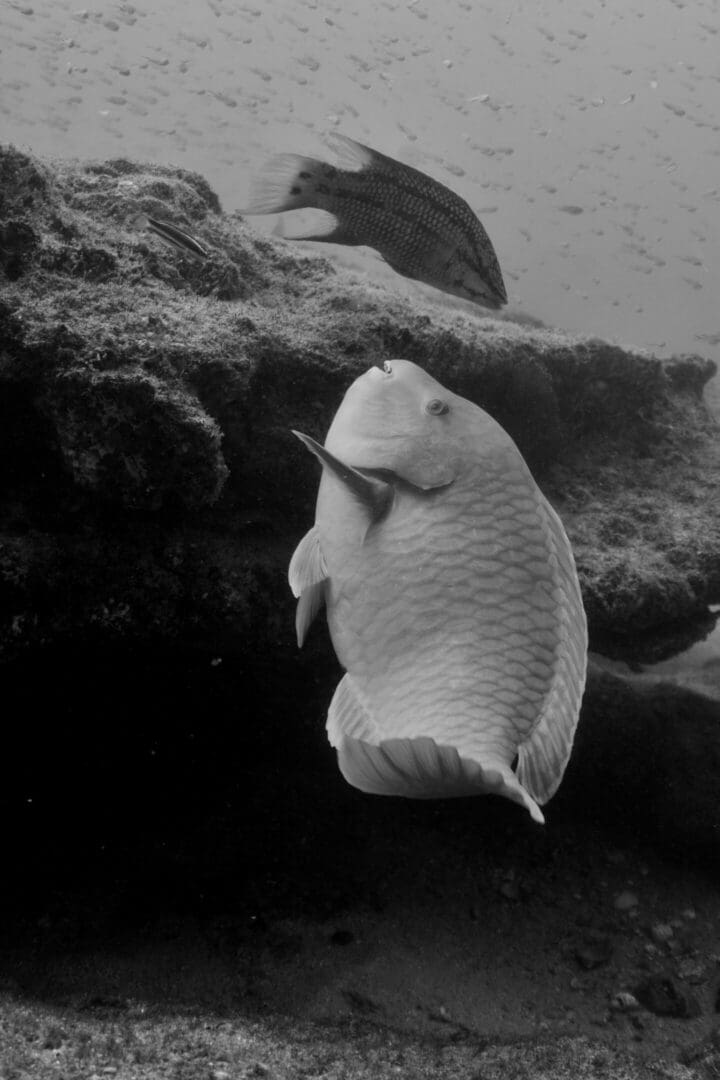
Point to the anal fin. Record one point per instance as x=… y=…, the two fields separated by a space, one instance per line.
x=350 y=715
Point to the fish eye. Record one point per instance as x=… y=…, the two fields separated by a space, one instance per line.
x=387 y=367
x=436 y=407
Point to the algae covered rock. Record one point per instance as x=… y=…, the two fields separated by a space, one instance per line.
x=126 y=438
x=147 y=394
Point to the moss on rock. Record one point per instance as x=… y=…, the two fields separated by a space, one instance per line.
x=156 y=393
x=130 y=440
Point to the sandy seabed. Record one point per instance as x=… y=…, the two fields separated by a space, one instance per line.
x=585 y=138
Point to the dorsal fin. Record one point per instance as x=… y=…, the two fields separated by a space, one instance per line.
x=543 y=756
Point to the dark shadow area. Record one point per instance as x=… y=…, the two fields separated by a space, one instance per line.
x=180 y=844
x=134 y=785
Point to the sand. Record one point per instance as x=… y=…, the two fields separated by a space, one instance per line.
x=586 y=138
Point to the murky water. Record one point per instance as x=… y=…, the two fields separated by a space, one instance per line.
x=586 y=136
x=698 y=667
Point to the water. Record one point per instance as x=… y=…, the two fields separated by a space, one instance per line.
x=586 y=136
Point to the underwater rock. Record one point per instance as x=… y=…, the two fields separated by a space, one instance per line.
x=136 y=388
x=128 y=439
x=151 y=491
x=664 y=996
x=646 y=761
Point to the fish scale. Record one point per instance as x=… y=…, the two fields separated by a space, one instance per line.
x=371 y=640
x=454 y=607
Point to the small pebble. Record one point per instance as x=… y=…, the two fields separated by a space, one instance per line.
x=661 y=932
x=692 y=971
x=624 y=901
x=624 y=1002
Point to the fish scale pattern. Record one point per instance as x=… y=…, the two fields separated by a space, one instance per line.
x=449 y=617
x=551 y=738
x=422 y=229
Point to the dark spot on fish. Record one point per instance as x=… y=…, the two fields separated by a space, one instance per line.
x=295 y=189
x=322 y=189
x=304 y=175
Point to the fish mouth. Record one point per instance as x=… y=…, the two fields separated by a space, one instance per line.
x=494 y=300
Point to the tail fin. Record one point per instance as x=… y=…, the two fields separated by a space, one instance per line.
x=285 y=182
x=421 y=769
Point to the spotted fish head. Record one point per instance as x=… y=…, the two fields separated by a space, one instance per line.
x=481 y=283
x=401 y=420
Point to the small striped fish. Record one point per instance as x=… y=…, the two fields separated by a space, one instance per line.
x=171 y=234
x=421 y=228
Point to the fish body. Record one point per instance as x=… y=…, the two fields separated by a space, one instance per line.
x=421 y=228
x=171 y=234
x=452 y=598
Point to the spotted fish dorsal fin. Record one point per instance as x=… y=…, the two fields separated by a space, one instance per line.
x=307 y=575
x=544 y=754
x=351 y=155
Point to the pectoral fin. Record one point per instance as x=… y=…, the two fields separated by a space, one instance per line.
x=376 y=495
x=307 y=575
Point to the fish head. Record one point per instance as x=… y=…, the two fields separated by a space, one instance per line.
x=478 y=278
x=401 y=420
x=476 y=286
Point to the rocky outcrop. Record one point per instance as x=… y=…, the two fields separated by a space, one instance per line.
x=147 y=400
x=152 y=491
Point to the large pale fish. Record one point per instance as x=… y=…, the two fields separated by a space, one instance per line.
x=420 y=227
x=452 y=598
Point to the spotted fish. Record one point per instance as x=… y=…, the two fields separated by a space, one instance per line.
x=421 y=228
x=452 y=598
